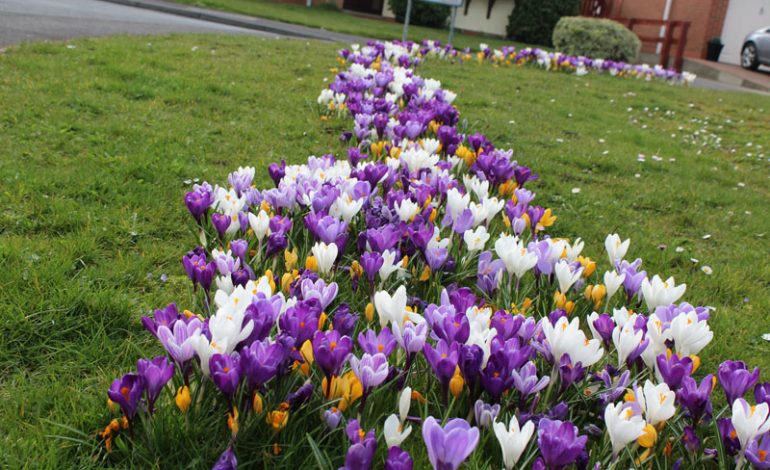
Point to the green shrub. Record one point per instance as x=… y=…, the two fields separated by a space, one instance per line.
x=597 y=38
x=532 y=21
x=423 y=14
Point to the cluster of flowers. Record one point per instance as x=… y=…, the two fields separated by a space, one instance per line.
x=410 y=52
x=419 y=268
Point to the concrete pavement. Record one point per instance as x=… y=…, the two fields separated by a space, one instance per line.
x=29 y=20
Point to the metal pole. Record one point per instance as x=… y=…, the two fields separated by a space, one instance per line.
x=452 y=25
x=406 y=20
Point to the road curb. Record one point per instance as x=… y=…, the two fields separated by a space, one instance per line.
x=229 y=19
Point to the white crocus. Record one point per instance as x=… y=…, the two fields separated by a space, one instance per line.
x=390 y=308
x=657 y=338
x=204 y=349
x=406 y=210
x=616 y=249
x=657 y=292
x=749 y=421
x=613 y=281
x=566 y=337
x=324 y=256
x=479 y=188
x=345 y=207
x=626 y=339
x=566 y=275
x=394 y=431
x=492 y=206
x=404 y=402
x=513 y=439
x=260 y=224
x=476 y=239
x=389 y=264
x=457 y=202
x=573 y=250
x=623 y=426
x=515 y=256
x=656 y=401
x=690 y=335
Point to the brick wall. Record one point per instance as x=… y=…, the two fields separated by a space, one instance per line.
x=706 y=18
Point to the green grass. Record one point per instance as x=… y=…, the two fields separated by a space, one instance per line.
x=96 y=144
x=332 y=19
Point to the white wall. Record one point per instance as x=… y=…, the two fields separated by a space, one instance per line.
x=476 y=19
x=743 y=17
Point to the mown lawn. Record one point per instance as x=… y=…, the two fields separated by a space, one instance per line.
x=99 y=142
x=332 y=19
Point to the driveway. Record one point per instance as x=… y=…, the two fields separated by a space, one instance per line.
x=29 y=20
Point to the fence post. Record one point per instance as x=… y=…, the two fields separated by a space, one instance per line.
x=679 y=60
x=665 y=50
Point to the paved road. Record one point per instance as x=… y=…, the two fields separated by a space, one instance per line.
x=28 y=20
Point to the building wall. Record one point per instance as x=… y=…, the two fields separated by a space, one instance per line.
x=743 y=17
x=476 y=19
x=705 y=17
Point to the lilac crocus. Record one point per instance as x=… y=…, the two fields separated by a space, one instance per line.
x=758 y=450
x=485 y=413
x=162 y=317
x=179 y=342
x=490 y=273
x=450 y=446
x=559 y=443
x=526 y=381
x=332 y=418
x=736 y=379
x=260 y=361
x=331 y=350
x=325 y=293
x=156 y=373
x=410 y=336
x=374 y=343
x=227 y=460
x=226 y=372
x=371 y=369
x=126 y=392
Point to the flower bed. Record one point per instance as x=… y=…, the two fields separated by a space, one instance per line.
x=409 y=298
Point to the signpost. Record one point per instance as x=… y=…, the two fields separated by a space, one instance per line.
x=454 y=4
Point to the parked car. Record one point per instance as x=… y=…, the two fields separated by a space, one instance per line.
x=756 y=49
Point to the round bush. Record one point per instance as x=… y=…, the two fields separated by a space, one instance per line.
x=597 y=38
x=532 y=21
x=423 y=14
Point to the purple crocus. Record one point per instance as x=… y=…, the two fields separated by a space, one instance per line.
x=371 y=369
x=126 y=392
x=559 y=443
x=736 y=379
x=260 y=362
x=301 y=396
x=360 y=455
x=371 y=262
x=729 y=437
x=603 y=325
x=398 y=459
x=485 y=413
x=442 y=359
x=198 y=203
x=450 y=446
x=762 y=393
x=758 y=450
x=696 y=399
x=227 y=460
x=221 y=223
x=331 y=350
x=162 y=317
x=226 y=372
x=672 y=370
x=156 y=373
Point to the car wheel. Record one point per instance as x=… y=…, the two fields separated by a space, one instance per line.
x=749 y=59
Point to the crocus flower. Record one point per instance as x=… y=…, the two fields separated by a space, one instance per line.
x=226 y=461
x=736 y=379
x=616 y=249
x=696 y=398
x=410 y=336
x=332 y=418
x=374 y=343
x=442 y=359
x=330 y=351
x=371 y=262
x=485 y=414
x=260 y=361
x=565 y=337
x=391 y=308
x=371 y=369
x=126 y=392
x=156 y=373
x=363 y=447
x=179 y=342
x=758 y=450
x=398 y=459
x=162 y=317
x=526 y=381
x=198 y=203
x=513 y=440
x=749 y=421
x=324 y=254
x=762 y=393
x=226 y=372
x=623 y=426
x=559 y=443
x=673 y=370
x=448 y=447
x=657 y=292
x=394 y=431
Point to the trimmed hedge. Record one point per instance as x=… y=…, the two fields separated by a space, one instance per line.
x=596 y=37
x=423 y=14
x=532 y=21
